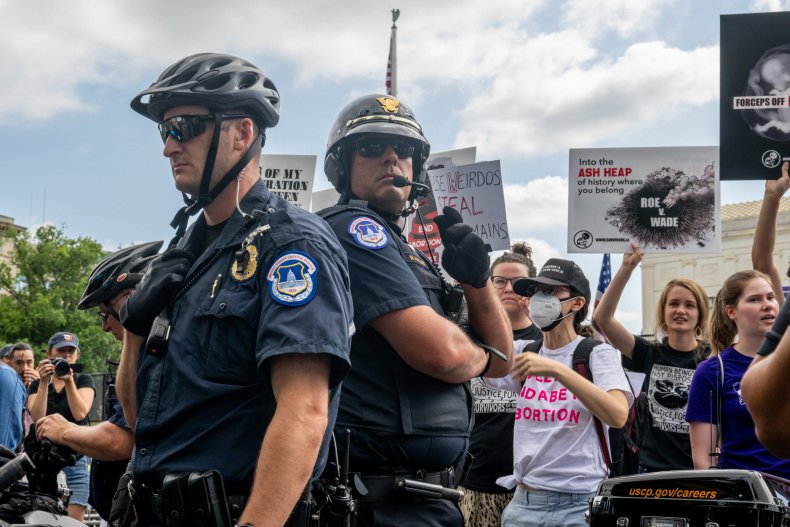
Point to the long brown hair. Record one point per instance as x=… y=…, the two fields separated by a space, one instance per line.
x=722 y=328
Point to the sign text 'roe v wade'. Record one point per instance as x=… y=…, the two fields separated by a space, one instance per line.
x=662 y=199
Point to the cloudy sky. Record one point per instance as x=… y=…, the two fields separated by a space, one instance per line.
x=522 y=80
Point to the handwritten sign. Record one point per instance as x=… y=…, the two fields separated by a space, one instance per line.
x=290 y=177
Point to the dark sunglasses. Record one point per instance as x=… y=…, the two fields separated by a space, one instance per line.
x=182 y=128
x=105 y=315
x=371 y=147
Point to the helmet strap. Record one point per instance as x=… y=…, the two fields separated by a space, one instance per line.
x=192 y=207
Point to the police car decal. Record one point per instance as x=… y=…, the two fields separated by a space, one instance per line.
x=368 y=233
x=293 y=279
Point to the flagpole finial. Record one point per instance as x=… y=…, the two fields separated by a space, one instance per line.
x=395 y=15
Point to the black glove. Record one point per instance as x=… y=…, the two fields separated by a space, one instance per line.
x=161 y=281
x=465 y=256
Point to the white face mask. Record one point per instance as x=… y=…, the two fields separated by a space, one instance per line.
x=545 y=310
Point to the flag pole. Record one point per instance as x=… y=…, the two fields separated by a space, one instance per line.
x=392 y=62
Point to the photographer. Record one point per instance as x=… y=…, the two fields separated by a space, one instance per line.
x=62 y=391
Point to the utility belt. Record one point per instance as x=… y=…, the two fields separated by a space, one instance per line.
x=410 y=484
x=186 y=499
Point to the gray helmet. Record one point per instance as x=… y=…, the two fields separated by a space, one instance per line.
x=222 y=83
x=373 y=114
x=117 y=272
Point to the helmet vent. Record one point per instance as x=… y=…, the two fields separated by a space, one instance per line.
x=185 y=76
x=214 y=83
x=247 y=80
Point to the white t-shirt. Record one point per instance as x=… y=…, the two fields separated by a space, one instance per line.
x=555 y=446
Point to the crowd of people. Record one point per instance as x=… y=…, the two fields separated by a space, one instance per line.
x=274 y=360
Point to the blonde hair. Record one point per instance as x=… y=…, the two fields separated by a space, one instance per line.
x=722 y=328
x=700 y=297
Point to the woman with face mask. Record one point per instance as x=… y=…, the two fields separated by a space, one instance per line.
x=745 y=308
x=557 y=457
x=667 y=362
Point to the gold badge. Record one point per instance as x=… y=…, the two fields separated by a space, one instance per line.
x=388 y=104
x=246 y=265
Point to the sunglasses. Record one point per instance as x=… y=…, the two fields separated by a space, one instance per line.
x=372 y=147
x=182 y=128
x=105 y=315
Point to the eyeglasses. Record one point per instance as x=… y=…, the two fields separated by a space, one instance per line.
x=182 y=128
x=371 y=147
x=501 y=281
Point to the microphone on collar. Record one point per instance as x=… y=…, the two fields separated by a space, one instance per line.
x=400 y=182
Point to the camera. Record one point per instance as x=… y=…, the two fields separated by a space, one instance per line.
x=62 y=367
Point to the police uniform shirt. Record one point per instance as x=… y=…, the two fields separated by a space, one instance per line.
x=382 y=393
x=206 y=403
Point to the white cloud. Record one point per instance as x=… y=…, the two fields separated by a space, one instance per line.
x=624 y=17
x=539 y=205
x=770 y=5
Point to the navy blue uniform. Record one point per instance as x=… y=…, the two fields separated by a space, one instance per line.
x=207 y=402
x=105 y=474
x=402 y=420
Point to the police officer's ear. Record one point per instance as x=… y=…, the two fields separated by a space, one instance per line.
x=244 y=132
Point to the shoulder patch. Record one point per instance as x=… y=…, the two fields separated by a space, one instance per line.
x=368 y=233
x=413 y=258
x=293 y=279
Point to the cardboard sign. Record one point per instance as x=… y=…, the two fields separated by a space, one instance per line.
x=755 y=95
x=290 y=177
x=662 y=199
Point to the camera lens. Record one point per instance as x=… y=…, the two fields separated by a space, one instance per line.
x=61 y=367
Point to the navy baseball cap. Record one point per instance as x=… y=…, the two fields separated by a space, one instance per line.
x=63 y=339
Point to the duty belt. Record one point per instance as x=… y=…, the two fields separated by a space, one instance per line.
x=420 y=483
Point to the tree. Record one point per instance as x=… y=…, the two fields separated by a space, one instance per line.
x=40 y=290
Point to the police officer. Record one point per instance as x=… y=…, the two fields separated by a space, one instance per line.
x=249 y=314
x=108 y=444
x=406 y=401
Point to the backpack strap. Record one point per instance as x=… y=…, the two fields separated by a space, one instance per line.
x=581 y=365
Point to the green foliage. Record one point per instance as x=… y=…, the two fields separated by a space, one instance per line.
x=40 y=290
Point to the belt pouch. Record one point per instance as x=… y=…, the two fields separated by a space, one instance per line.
x=207 y=499
x=175 y=500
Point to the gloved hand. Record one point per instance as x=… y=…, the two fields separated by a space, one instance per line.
x=161 y=281
x=465 y=256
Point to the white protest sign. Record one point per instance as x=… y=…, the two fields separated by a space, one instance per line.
x=290 y=177
x=475 y=191
x=662 y=199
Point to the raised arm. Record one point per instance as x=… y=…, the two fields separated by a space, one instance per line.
x=765 y=231
x=603 y=316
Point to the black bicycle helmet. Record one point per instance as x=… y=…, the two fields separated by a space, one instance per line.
x=373 y=114
x=222 y=83
x=117 y=272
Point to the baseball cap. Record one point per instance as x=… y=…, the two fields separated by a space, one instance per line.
x=63 y=339
x=556 y=271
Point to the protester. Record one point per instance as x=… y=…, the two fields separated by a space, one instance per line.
x=406 y=400
x=765 y=231
x=764 y=385
x=558 y=457
x=71 y=395
x=667 y=363
x=109 y=443
x=745 y=308
x=12 y=395
x=249 y=314
x=23 y=361
x=491 y=442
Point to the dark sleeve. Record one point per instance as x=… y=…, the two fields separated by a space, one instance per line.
x=85 y=381
x=117 y=417
x=642 y=357
x=33 y=388
x=320 y=319
x=381 y=281
x=702 y=401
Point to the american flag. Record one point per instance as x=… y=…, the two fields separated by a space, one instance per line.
x=392 y=61
x=604 y=279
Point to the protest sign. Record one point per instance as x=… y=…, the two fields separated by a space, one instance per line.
x=755 y=95
x=428 y=237
x=662 y=199
x=290 y=177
